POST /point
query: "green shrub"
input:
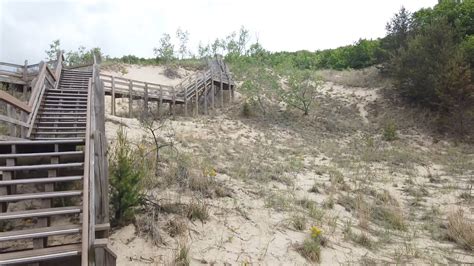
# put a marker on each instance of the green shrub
(125, 177)
(390, 131)
(246, 109)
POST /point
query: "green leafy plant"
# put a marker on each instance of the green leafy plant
(125, 177)
(390, 131)
(302, 91)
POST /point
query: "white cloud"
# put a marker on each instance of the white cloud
(134, 27)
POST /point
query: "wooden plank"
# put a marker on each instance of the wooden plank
(11, 74)
(85, 183)
(8, 98)
(28, 256)
(13, 121)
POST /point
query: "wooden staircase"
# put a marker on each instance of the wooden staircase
(53, 187)
(62, 113)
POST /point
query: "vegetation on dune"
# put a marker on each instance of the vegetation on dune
(125, 179)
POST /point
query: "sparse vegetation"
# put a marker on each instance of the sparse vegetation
(461, 230)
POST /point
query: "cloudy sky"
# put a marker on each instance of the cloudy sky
(135, 27)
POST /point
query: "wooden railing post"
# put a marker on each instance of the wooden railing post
(231, 88)
(146, 97)
(196, 95)
(25, 79)
(160, 104)
(130, 99)
(222, 89)
(205, 92)
(174, 102)
(112, 100)
(186, 100)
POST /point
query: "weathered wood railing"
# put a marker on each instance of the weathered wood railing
(20, 115)
(117, 86)
(95, 198)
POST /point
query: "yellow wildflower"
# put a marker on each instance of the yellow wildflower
(315, 232)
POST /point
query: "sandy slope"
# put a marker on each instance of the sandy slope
(270, 170)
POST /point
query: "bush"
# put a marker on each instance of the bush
(390, 131)
(125, 179)
(246, 109)
(461, 230)
(302, 91)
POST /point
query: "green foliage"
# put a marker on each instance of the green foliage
(246, 112)
(302, 91)
(183, 37)
(165, 52)
(125, 177)
(390, 131)
(54, 49)
(259, 84)
(83, 56)
(74, 58)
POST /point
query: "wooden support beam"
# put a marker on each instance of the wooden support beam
(186, 100)
(231, 88)
(112, 107)
(222, 90)
(6, 97)
(174, 101)
(130, 99)
(161, 101)
(146, 98)
(205, 92)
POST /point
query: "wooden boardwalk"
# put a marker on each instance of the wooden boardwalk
(54, 182)
(54, 174)
(199, 89)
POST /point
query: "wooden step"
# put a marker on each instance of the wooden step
(60, 123)
(67, 91)
(59, 133)
(60, 128)
(39, 213)
(40, 195)
(40, 166)
(42, 254)
(54, 138)
(81, 104)
(42, 142)
(41, 154)
(63, 118)
(40, 232)
(67, 96)
(39, 180)
(73, 112)
(57, 93)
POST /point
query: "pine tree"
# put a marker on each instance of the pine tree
(124, 181)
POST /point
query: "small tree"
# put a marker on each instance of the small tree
(259, 84)
(54, 49)
(302, 91)
(166, 50)
(125, 179)
(183, 37)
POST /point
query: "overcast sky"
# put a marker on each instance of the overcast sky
(135, 27)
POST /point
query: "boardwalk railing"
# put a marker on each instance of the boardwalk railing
(135, 89)
(95, 186)
(20, 115)
(198, 87)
